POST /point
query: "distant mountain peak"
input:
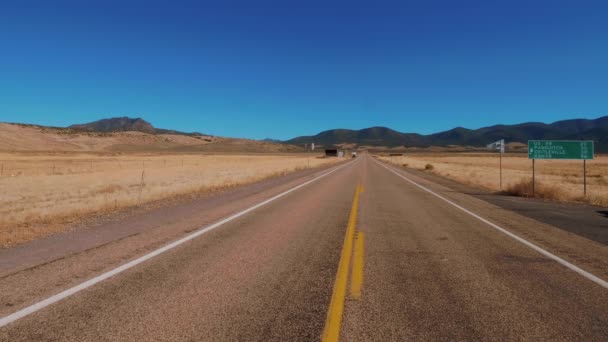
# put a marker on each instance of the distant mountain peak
(124, 124)
(117, 124)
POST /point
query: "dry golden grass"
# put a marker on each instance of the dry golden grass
(41, 193)
(555, 179)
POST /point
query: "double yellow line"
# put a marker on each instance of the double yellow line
(336, 307)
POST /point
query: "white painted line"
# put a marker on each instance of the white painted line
(60, 296)
(549, 255)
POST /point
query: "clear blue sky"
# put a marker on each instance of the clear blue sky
(281, 69)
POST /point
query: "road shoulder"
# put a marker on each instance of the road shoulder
(581, 219)
(585, 253)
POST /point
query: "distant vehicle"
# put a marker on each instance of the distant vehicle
(354, 154)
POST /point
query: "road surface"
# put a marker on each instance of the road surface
(359, 252)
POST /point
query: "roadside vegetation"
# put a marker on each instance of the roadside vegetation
(555, 179)
(43, 193)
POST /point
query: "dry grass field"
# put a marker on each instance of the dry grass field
(41, 193)
(555, 179)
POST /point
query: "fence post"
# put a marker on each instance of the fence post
(533, 179)
(585, 177)
(141, 185)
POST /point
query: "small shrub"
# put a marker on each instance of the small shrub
(598, 200)
(523, 188)
(429, 167)
(404, 165)
(109, 189)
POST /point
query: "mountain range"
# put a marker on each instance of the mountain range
(575, 129)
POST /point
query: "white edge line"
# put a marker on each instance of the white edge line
(69, 292)
(549, 255)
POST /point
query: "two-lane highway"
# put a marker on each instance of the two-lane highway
(434, 272)
(391, 260)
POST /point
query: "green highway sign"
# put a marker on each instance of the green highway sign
(560, 149)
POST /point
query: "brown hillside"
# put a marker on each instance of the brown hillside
(28, 138)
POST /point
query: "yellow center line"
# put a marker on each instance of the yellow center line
(336, 307)
(357, 274)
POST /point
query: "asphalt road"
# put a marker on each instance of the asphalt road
(405, 264)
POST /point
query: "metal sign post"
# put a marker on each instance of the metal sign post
(501, 152)
(561, 149)
(500, 146)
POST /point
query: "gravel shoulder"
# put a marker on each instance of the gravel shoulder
(581, 219)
